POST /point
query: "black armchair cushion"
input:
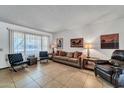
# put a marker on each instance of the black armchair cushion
(13, 58)
(16, 59)
(116, 63)
(118, 55)
(20, 63)
(43, 55)
(42, 58)
(105, 68)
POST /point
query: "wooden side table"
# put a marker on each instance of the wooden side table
(32, 60)
(89, 63)
(50, 55)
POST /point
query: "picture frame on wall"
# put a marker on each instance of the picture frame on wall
(110, 41)
(77, 42)
(59, 42)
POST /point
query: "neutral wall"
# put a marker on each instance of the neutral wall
(91, 33)
(4, 40)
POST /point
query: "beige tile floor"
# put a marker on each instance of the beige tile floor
(51, 75)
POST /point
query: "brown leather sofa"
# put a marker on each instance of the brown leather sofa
(68, 58)
(112, 70)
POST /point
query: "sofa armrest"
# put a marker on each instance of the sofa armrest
(117, 72)
(102, 62)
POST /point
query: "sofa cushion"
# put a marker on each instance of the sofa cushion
(61, 58)
(77, 54)
(62, 53)
(57, 53)
(105, 68)
(70, 54)
(73, 60)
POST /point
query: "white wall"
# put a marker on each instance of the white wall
(91, 33)
(4, 40)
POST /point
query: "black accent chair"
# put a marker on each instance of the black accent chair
(112, 70)
(16, 60)
(43, 55)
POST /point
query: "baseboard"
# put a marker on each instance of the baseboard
(4, 68)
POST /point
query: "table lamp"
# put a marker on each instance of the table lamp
(88, 46)
(53, 46)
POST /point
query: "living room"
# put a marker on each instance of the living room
(71, 46)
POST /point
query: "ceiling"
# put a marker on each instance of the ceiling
(54, 18)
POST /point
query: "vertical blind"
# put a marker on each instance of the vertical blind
(28, 44)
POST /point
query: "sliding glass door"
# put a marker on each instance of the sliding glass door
(18, 42)
(45, 41)
(33, 44)
(29, 44)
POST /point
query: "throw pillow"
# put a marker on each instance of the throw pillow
(57, 53)
(77, 54)
(70, 54)
(62, 53)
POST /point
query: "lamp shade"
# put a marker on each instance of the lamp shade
(53, 46)
(88, 45)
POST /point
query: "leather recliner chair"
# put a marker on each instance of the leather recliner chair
(112, 70)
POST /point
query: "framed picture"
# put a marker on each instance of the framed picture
(110, 41)
(59, 43)
(77, 42)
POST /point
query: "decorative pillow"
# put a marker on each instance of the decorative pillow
(70, 54)
(57, 53)
(62, 53)
(77, 54)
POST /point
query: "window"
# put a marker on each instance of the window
(18, 42)
(33, 44)
(29, 44)
(45, 45)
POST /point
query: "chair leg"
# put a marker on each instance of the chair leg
(13, 68)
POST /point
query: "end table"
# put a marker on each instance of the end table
(89, 63)
(32, 60)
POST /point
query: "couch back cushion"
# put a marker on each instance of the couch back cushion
(62, 53)
(57, 53)
(118, 55)
(70, 54)
(77, 54)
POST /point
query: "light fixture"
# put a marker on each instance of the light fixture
(53, 46)
(88, 46)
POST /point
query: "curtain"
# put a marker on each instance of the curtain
(33, 44)
(27, 43)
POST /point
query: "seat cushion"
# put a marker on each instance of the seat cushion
(61, 58)
(42, 58)
(73, 60)
(105, 68)
(20, 63)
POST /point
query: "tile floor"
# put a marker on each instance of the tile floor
(51, 75)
